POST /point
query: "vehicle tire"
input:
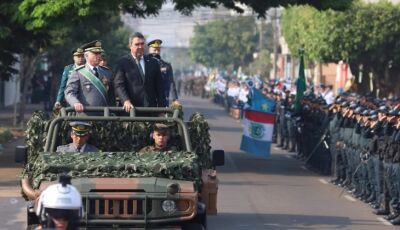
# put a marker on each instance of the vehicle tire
(193, 226)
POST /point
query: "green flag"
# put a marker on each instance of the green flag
(301, 83)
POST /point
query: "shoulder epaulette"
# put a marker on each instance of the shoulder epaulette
(79, 67)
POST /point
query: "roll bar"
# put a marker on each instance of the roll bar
(66, 114)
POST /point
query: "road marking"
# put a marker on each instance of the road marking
(323, 181)
(288, 156)
(276, 148)
(304, 167)
(384, 222)
(349, 198)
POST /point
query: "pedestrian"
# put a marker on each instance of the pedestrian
(138, 80)
(167, 73)
(79, 60)
(90, 84)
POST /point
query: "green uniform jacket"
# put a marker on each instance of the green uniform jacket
(63, 82)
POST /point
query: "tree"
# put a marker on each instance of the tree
(222, 43)
(365, 35)
(261, 64)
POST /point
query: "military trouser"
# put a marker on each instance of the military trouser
(396, 171)
(334, 154)
(371, 177)
(283, 131)
(391, 183)
(291, 140)
(387, 187)
(378, 178)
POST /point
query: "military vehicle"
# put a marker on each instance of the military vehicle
(126, 191)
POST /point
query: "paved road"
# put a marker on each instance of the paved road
(12, 206)
(277, 193)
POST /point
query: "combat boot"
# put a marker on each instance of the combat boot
(391, 216)
(381, 211)
(371, 198)
(395, 221)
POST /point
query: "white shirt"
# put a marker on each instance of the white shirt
(92, 68)
(233, 91)
(141, 63)
(243, 95)
(329, 97)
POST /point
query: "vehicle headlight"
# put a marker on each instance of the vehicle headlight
(168, 206)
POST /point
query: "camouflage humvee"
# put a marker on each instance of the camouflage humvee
(121, 189)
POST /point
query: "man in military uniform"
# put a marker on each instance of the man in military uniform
(166, 70)
(161, 135)
(78, 61)
(90, 84)
(80, 136)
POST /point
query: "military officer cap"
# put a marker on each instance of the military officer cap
(80, 128)
(393, 112)
(93, 46)
(366, 112)
(156, 43)
(161, 128)
(78, 51)
(383, 109)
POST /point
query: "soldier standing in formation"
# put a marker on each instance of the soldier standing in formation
(166, 70)
(90, 84)
(78, 61)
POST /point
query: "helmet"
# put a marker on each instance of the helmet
(60, 201)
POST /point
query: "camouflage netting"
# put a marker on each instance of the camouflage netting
(200, 139)
(126, 137)
(173, 165)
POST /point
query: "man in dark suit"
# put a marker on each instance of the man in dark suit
(138, 79)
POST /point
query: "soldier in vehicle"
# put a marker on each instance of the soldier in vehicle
(80, 136)
(161, 135)
(90, 84)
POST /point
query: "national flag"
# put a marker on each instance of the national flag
(259, 102)
(257, 133)
(301, 83)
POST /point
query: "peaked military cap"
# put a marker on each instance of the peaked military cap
(78, 51)
(156, 43)
(80, 128)
(93, 46)
(161, 128)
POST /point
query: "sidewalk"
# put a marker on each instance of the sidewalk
(7, 113)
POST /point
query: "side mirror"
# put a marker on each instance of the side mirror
(21, 152)
(218, 157)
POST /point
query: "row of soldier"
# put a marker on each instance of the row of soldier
(357, 139)
(138, 80)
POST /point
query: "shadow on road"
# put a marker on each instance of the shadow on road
(284, 222)
(226, 129)
(275, 164)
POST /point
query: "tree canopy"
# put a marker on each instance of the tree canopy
(365, 35)
(222, 43)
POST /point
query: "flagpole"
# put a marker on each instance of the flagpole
(301, 83)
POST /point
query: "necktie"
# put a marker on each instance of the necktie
(79, 150)
(96, 73)
(140, 69)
